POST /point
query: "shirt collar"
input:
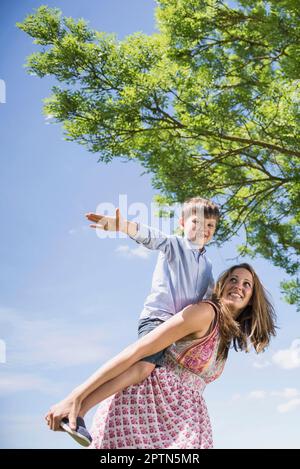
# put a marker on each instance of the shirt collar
(194, 246)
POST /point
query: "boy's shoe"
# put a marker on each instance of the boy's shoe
(81, 435)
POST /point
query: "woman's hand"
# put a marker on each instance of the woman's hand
(69, 407)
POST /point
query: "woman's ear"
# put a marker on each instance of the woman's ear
(181, 222)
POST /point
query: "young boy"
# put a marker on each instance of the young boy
(183, 276)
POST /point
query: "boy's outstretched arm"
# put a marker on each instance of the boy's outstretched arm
(150, 237)
(117, 223)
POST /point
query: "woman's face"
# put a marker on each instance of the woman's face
(238, 289)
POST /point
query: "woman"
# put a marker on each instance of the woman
(167, 409)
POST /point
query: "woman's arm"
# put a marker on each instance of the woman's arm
(193, 318)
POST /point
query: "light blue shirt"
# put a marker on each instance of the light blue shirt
(182, 276)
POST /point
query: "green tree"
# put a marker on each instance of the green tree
(208, 105)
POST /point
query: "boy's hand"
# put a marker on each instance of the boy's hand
(106, 223)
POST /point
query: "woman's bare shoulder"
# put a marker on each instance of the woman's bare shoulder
(206, 310)
(200, 316)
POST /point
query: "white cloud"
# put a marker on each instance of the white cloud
(287, 393)
(290, 395)
(53, 343)
(259, 394)
(140, 251)
(20, 431)
(288, 359)
(48, 119)
(2, 351)
(74, 231)
(289, 406)
(20, 382)
(260, 364)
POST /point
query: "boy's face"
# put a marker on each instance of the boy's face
(198, 229)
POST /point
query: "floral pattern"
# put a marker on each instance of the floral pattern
(167, 410)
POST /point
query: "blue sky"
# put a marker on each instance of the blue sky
(69, 300)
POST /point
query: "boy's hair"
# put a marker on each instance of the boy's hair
(198, 205)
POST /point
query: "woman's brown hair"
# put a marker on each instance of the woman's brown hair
(255, 324)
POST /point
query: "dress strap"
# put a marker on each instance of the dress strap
(199, 352)
(217, 314)
(213, 304)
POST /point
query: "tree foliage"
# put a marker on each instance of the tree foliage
(208, 105)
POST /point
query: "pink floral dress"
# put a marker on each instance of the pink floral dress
(167, 409)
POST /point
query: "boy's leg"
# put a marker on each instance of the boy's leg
(134, 375)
